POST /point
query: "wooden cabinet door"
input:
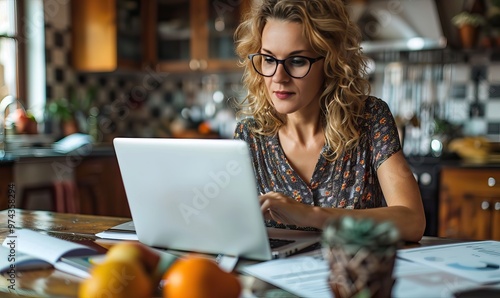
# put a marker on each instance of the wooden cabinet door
(171, 25)
(101, 188)
(108, 34)
(476, 217)
(194, 35)
(223, 19)
(449, 214)
(93, 39)
(495, 223)
(469, 206)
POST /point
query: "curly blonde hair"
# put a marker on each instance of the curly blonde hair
(332, 35)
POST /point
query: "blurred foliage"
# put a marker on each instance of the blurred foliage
(65, 109)
(446, 128)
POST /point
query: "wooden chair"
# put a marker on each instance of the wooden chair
(63, 194)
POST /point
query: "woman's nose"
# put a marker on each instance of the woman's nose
(281, 75)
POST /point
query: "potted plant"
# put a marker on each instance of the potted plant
(72, 114)
(62, 111)
(468, 25)
(361, 254)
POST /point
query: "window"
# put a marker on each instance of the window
(9, 50)
(22, 53)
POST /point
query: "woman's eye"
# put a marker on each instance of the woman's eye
(297, 61)
(269, 60)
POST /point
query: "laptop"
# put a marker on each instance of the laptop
(200, 195)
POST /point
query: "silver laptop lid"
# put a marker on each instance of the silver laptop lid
(194, 195)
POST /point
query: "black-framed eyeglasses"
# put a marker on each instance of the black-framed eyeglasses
(295, 66)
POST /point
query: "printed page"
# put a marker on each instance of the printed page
(302, 276)
(478, 261)
(416, 280)
(19, 260)
(44, 247)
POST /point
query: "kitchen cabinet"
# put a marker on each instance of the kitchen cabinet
(108, 35)
(159, 35)
(469, 206)
(100, 186)
(6, 178)
(194, 35)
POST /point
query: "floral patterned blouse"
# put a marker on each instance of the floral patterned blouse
(350, 182)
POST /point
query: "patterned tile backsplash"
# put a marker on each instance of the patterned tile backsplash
(143, 104)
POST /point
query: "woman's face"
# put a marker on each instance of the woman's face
(283, 39)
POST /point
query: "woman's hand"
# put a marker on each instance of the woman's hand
(283, 209)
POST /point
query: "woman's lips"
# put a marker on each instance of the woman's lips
(283, 94)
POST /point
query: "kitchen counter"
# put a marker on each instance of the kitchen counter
(469, 164)
(24, 153)
(452, 162)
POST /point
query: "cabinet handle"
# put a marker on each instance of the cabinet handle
(194, 64)
(485, 205)
(497, 206)
(425, 179)
(491, 182)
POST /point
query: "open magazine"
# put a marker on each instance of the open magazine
(29, 250)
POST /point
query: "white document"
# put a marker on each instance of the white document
(302, 276)
(124, 231)
(415, 280)
(478, 261)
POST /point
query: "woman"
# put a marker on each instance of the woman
(321, 146)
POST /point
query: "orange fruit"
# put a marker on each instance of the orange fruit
(134, 251)
(116, 279)
(199, 277)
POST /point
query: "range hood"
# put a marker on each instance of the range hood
(403, 25)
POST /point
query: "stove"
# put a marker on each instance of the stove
(426, 171)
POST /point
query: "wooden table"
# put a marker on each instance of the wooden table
(71, 227)
(82, 228)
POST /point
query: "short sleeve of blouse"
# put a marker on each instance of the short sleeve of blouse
(383, 131)
(242, 130)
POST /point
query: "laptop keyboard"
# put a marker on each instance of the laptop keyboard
(275, 243)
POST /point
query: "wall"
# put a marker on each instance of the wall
(147, 104)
